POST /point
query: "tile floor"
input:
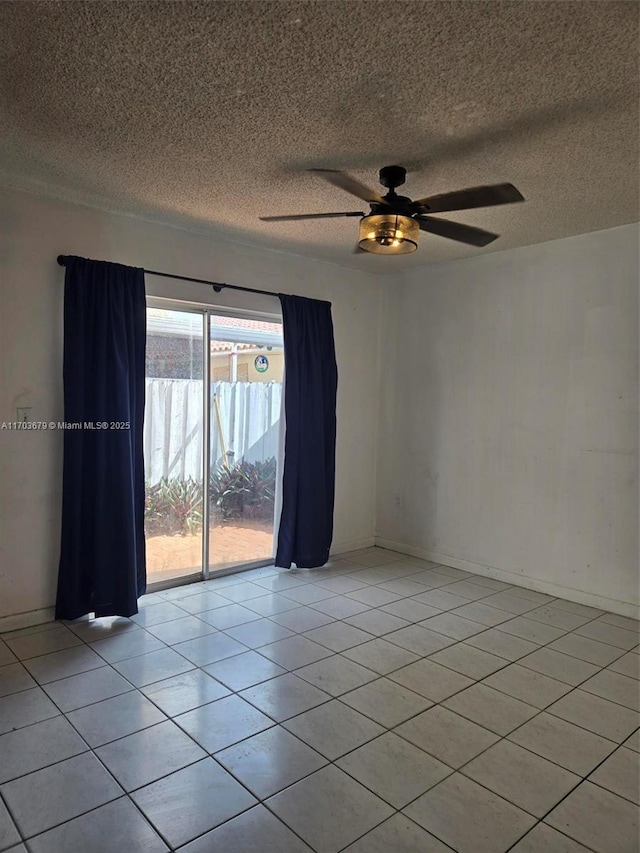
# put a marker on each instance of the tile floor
(382, 704)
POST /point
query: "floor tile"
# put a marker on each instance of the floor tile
(491, 583)
(597, 818)
(185, 692)
(154, 666)
(550, 615)
(37, 746)
(488, 708)
(272, 603)
(147, 755)
(570, 746)
(338, 636)
(34, 645)
(447, 736)
(400, 835)
(258, 633)
(223, 723)
(103, 628)
(254, 831)
(411, 610)
(574, 607)
(179, 630)
(340, 607)
(419, 640)
(6, 655)
(373, 596)
(308, 593)
(229, 616)
(127, 645)
(504, 645)
(294, 652)
(329, 809)
(628, 665)
(430, 679)
(270, 761)
(333, 729)
(209, 649)
(183, 591)
(559, 666)
(614, 687)
(202, 601)
(395, 770)
(620, 773)
(115, 718)
(381, 656)
(521, 777)
(156, 613)
(633, 742)
(336, 675)
(63, 664)
(610, 634)
(113, 828)
(386, 702)
(625, 622)
(587, 649)
(85, 689)
(341, 585)
(281, 581)
(529, 686)
(244, 670)
(377, 622)
(510, 602)
(480, 612)
(302, 619)
(8, 831)
(545, 839)
(535, 632)
(469, 661)
(192, 801)
(597, 715)
(62, 792)
(469, 590)
(531, 595)
(242, 591)
(453, 626)
(24, 708)
(403, 586)
(285, 696)
(468, 817)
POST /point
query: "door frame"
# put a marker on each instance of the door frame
(207, 310)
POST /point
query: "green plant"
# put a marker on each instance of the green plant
(173, 506)
(244, 490)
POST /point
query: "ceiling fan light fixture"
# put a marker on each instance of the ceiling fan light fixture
(388, 234)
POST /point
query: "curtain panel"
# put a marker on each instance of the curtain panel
(311, 381)
(102, 555)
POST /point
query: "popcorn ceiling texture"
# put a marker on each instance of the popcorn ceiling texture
(207, 114)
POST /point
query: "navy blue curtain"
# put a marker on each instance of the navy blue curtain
(102, 555)
(311, 381)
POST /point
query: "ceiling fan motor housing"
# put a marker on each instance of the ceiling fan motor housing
(392, 176)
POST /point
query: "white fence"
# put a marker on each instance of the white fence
(173, 427)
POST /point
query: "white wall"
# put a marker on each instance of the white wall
(34, 231)
(509, 426)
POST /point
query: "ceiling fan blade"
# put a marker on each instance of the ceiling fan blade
(346, 182)
(309, 216)
(456, 231)
(471, 197)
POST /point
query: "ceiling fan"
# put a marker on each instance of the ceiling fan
(394, 222)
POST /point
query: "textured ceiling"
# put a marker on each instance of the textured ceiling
(207, 114)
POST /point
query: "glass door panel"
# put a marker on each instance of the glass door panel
(173, 443)
(246, 371)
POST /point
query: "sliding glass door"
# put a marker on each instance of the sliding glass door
(246, 370)
(211, 441)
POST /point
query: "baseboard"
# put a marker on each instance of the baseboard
(623, 608)
(352, 545)
(26, 620)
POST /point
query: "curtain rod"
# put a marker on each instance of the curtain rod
(216, 285)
